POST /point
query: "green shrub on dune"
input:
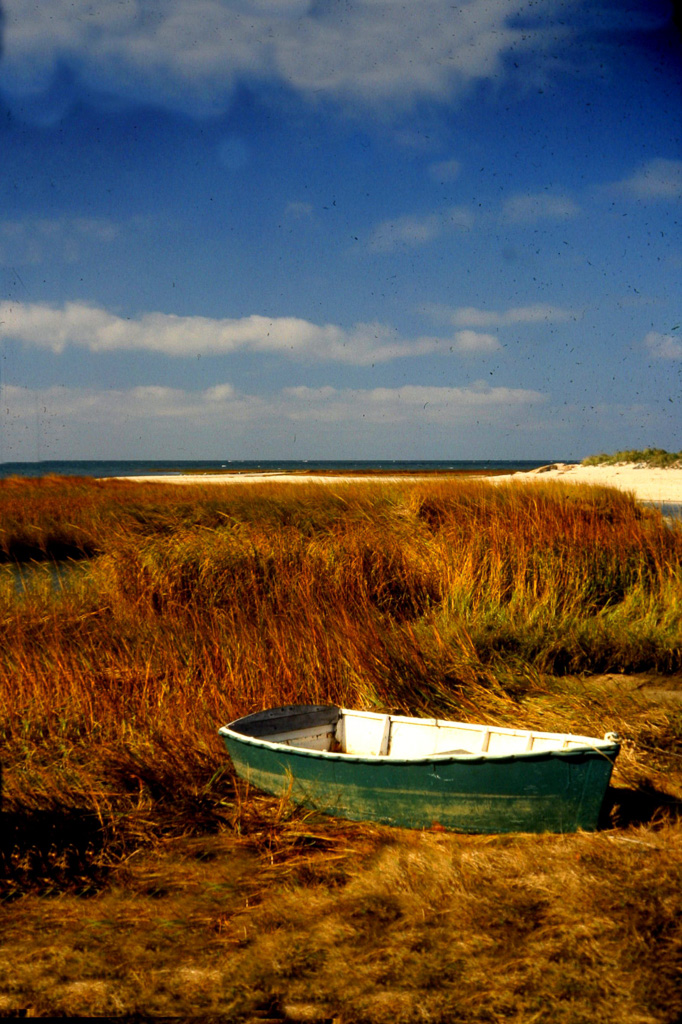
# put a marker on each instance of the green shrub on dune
(655, 457)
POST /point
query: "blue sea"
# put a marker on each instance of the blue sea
(140, 467)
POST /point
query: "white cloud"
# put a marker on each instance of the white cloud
(657, 179)
(220, 393)
(470, 316)
(224, 405)
(471, 342)
(663, 346)
(411, 403)
(78, 325)
(82, 326)
(190, 56)
(221, 422)
(39, 423)
(410, 231)
(405, 231)
(533, 207)
(31, 241)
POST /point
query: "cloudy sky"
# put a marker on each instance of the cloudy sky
(290, 229)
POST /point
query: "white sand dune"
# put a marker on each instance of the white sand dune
(647, 483)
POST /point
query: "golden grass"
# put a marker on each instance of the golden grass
(140, 877)
(378, 927)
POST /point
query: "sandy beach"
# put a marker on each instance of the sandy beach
(647, 483)
(272, 478)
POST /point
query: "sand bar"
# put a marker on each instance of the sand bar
(647, 483)
(276, 478)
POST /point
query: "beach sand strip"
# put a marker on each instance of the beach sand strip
(645, 482)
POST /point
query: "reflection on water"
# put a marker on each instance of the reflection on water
(32, 576)
(668, 509)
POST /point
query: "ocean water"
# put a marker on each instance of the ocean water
(139, 467)
(668, 509)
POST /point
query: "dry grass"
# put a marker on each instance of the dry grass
(368, 927)
(140, 877)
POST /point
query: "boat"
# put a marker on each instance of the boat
(424, 772)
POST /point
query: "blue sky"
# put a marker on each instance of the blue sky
(290, 229)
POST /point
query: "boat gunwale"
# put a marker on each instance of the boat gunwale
(607, 748)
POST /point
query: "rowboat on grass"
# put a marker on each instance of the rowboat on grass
(424, 772)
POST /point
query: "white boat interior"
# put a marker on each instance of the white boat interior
(367, 734)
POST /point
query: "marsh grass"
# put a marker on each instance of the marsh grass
(545, 606)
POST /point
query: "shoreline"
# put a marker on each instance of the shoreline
(647, 483)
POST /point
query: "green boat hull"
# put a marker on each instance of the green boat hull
(557, 791)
